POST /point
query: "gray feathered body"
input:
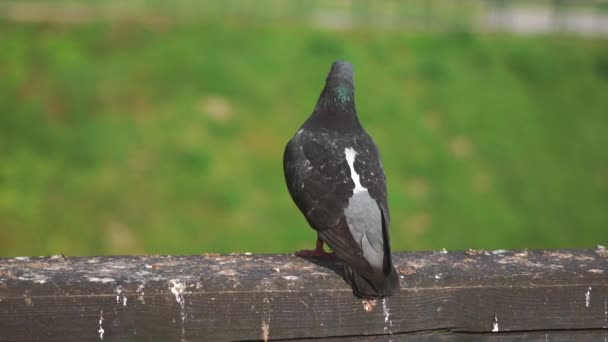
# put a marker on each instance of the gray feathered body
(335, 177)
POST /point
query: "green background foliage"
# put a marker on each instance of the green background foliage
(166, 136)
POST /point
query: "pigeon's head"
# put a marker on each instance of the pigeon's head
(341, 73)
(339, 84)
(335, 108)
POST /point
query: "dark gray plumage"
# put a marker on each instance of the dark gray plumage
(335, 177)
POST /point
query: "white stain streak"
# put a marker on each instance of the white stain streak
(385, 311)
(36, 278)
(388, 323)
(140, 292)
(266, 322)
(588, 297)
(290, 277)
(350, 159)
(178, 288)
(118, 294)
(124, 301)
(495, 324)
(499, 251)
(605, 313)
(265, 331)
(101, 331)
(101, 280)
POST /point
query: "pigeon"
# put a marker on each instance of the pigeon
(335, 177)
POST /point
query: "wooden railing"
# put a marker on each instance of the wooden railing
(559, 295)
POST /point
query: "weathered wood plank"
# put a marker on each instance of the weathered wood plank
(445, 296)
(537, 336)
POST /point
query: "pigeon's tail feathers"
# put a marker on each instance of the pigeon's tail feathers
(382, 282)
(367, 281)
(382, 285)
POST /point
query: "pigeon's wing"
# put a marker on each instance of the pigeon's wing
(317, 179)
(368, 165)
(362, 238)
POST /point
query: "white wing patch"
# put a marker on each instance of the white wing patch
(350, 159)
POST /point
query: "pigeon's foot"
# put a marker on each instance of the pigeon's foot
(318, 252)
(314, 253)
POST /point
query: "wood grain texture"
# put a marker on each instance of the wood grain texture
(537, 336)
(445, 296)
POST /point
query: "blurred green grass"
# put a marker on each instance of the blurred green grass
(167, 137)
